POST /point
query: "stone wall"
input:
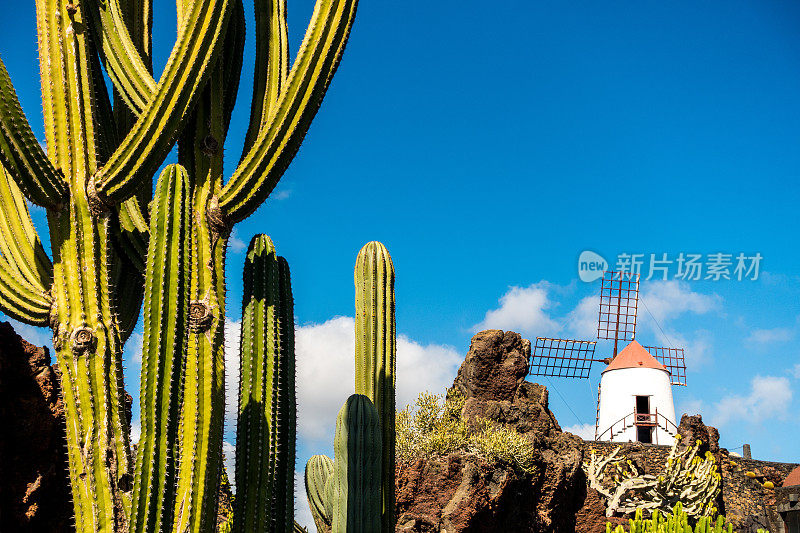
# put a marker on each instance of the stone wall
(745, 502)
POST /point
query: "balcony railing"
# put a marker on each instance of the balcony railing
(637, 419)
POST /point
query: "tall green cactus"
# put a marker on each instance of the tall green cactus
(95, 182)
(376, 364)
(335, 502)
(265, 432)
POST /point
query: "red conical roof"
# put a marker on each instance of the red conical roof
(793, 478)
(634, 356)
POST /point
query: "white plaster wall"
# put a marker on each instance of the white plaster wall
(618, 391)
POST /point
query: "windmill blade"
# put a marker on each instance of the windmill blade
(563, 358)
(619, 305)
(673, 359)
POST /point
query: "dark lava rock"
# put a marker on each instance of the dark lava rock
(462, 492)
(34, 487)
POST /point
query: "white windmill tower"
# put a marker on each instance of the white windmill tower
(634, 398)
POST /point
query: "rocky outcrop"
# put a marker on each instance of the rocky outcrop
(462, 492)
(34, 488)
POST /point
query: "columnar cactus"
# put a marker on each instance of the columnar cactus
(95, 182)
(351, 506)
(266, 427)
(375, 355)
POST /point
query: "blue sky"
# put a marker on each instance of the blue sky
(488, 147)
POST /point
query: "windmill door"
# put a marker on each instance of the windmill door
(644, 427)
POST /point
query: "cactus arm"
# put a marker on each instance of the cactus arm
(19, 242)
(127, 69)
(166, 308)
(319, 469)
(301, 95)
(272, 64)
(21, 301)
(128, 284)
(357, 468)
(375, 354)
(155, 131)
(22, 154)
(233, 56)
(133, 231)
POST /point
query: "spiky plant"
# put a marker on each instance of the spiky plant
(354, 493)
(95, 181)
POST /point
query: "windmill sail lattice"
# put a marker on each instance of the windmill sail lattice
(564, 358)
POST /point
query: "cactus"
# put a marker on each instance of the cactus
(676, 520)
(375, 355)
(685, 479)
(95, 182)
(319, 471)
(357, 469)
(266, 424)
(340, 492)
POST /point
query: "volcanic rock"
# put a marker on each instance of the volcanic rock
(34, 487)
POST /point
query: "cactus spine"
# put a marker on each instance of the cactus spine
(357, 469)
(95, 181)
(266, 424)
(376, 355)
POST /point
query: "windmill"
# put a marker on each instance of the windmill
(634, 397)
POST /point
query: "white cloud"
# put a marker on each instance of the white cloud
(796, 371)
(583, 319)
(136, 431)
(235, 242)
(232, 333)
(584, 431)
(523, 309)
(768, 336)
(769, 397)
(133, 348)
(229, 458)
(668, 299)
(281, 194)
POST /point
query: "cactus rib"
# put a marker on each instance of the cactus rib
(19, 242)
(126, 67)
(19, 300)
(271, 65)
(166, 307)
(300, 98)
(21, 153)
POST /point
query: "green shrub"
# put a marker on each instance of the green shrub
(434, 427)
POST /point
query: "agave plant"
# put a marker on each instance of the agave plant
(111, 235)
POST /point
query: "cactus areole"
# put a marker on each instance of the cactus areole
(116, 243)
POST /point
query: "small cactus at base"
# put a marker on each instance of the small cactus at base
(318, 476)
(675, 522)
(357, 468)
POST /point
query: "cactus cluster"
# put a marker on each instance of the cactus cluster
(354, 492)
(675, 521)
(117, 244)
(685, 479)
